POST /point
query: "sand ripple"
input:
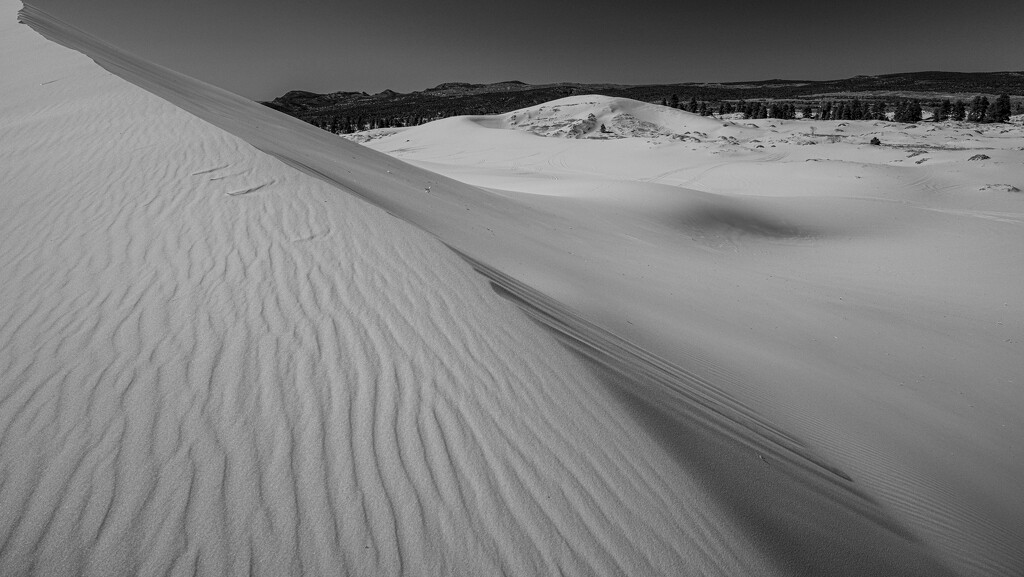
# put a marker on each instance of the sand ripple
(212, 364)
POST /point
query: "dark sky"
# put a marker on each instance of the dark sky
(263, 48)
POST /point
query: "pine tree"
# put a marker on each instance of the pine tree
(972, 112)
(878, 111)
(945, 110)
(675, 101)
(915, 111)
(959, 110)
(1000, 111)
(693, 104)
(846, 112)
(979, 106)
(908, 111)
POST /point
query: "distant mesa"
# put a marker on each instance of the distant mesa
(467, 88)
(453, 86)
(291, 94)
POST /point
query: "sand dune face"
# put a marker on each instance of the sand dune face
(213, 363)
(863, 295)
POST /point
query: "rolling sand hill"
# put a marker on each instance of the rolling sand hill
(866, 297)
(762, 355)
(212, 363)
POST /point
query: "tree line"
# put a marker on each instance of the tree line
(350, 124)
(979, 109)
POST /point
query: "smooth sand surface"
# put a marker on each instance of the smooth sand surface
(213, 363)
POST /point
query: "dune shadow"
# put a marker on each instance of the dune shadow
(807, 516)
(806, 523)
(735, 220)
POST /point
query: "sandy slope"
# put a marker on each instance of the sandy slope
(213, 364)
(870, 293)
(792, 363)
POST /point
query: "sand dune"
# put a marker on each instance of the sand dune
(197, 381)
(213, 363)
(870, 304)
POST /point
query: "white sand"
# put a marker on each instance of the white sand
(861, 299)
(213, 363)
(288, 381)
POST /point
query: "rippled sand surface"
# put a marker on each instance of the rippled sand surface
(216, 360)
